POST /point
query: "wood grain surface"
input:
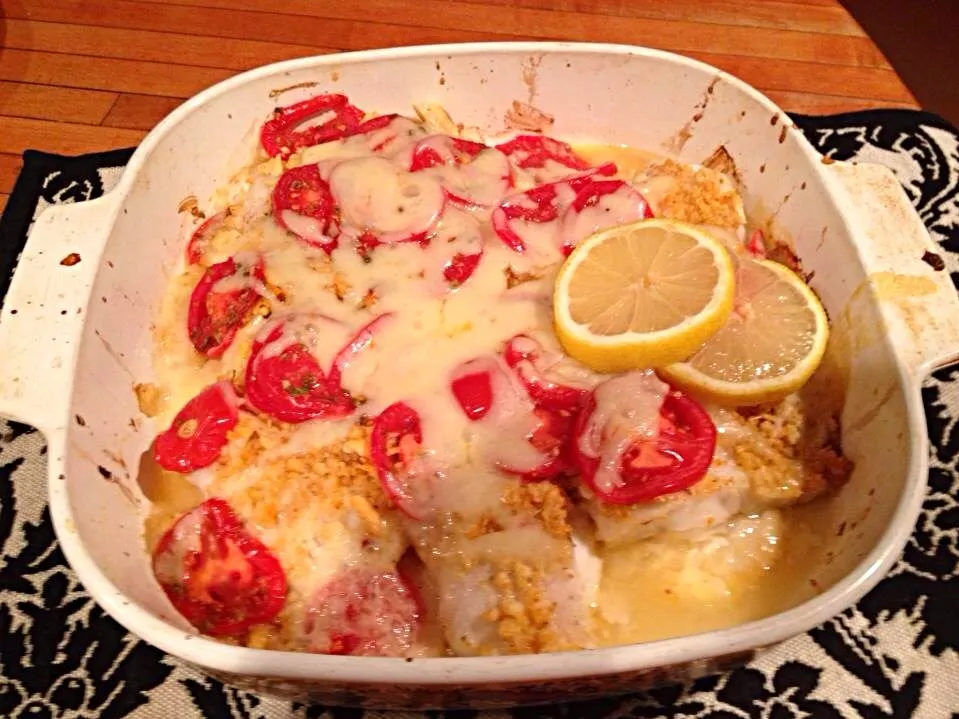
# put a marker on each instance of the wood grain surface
(87, 75)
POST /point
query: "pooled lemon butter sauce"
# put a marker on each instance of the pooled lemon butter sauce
(696, 560)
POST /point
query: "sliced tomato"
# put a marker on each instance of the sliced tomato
(376, 197)
(286, 381)
(534, 151)
(437, 150)
(527, 359)
(282, 134)
(387, 134)
(359, 342)
(219, 576)
(199, 430)
(552, 438)
(304, 205)
(221, 302)
(395, 442)
(600, 204)
(478, 175)
(461, 268)
(540, 205)
(199, 242)
(472, 386)
(674, 459)
(364, 612)
(480, 384)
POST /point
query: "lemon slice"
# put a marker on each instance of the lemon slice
(769, 347)
(646, 294)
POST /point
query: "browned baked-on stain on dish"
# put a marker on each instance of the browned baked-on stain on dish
(108, 475)
(190, 204)
(280, 90)
(721, 161)
(934, 261)
(782, 134)
(80, 420)
(70, 260)
(522, 116)
(677, 142)
(873, 411)
(113, 353)
(530, 72)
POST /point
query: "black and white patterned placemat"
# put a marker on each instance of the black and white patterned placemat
(894, 655)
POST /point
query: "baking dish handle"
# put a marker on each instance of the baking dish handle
(44, 309)
(905, 267)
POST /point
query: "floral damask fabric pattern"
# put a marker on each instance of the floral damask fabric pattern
(896, 654)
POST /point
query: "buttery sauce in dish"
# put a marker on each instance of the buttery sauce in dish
(374, 443)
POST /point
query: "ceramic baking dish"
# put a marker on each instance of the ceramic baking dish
(76, 336)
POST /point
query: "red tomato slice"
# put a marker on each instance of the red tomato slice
(374, 125)
(199, 430)
(286, 381)
(483, 174)
(364, 612)
(303, 205)
(526, 358)
(200, 239)
(359, 342)
(552, 437)
(220, 577)
(214, 315)
(472, 386)
(675, 459)
(475, 386)
(540, 205)
(461, 268)
(534, 151)
(601, 204)
(395, 441)
(437, 150)
(281, 134)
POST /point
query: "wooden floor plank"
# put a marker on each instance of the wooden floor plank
(139, 112)
(9, 169)
(351, 26)
(826, 18)
(45, 102)
(862, 82)
(672, 34)
(17, 135)
(151, 46)
(814, 104)
(98, 73)
(235, 23)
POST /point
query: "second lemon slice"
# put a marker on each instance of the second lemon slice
(646, 294)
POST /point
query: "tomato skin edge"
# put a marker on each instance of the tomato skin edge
(198, 312)
(173, 452)
(263, 395)
(637, 489)
(402, 420)
(218, 515)
(278, 135)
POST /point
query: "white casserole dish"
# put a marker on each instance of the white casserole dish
(77, 337)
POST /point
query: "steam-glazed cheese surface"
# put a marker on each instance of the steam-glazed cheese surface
(372, 442)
